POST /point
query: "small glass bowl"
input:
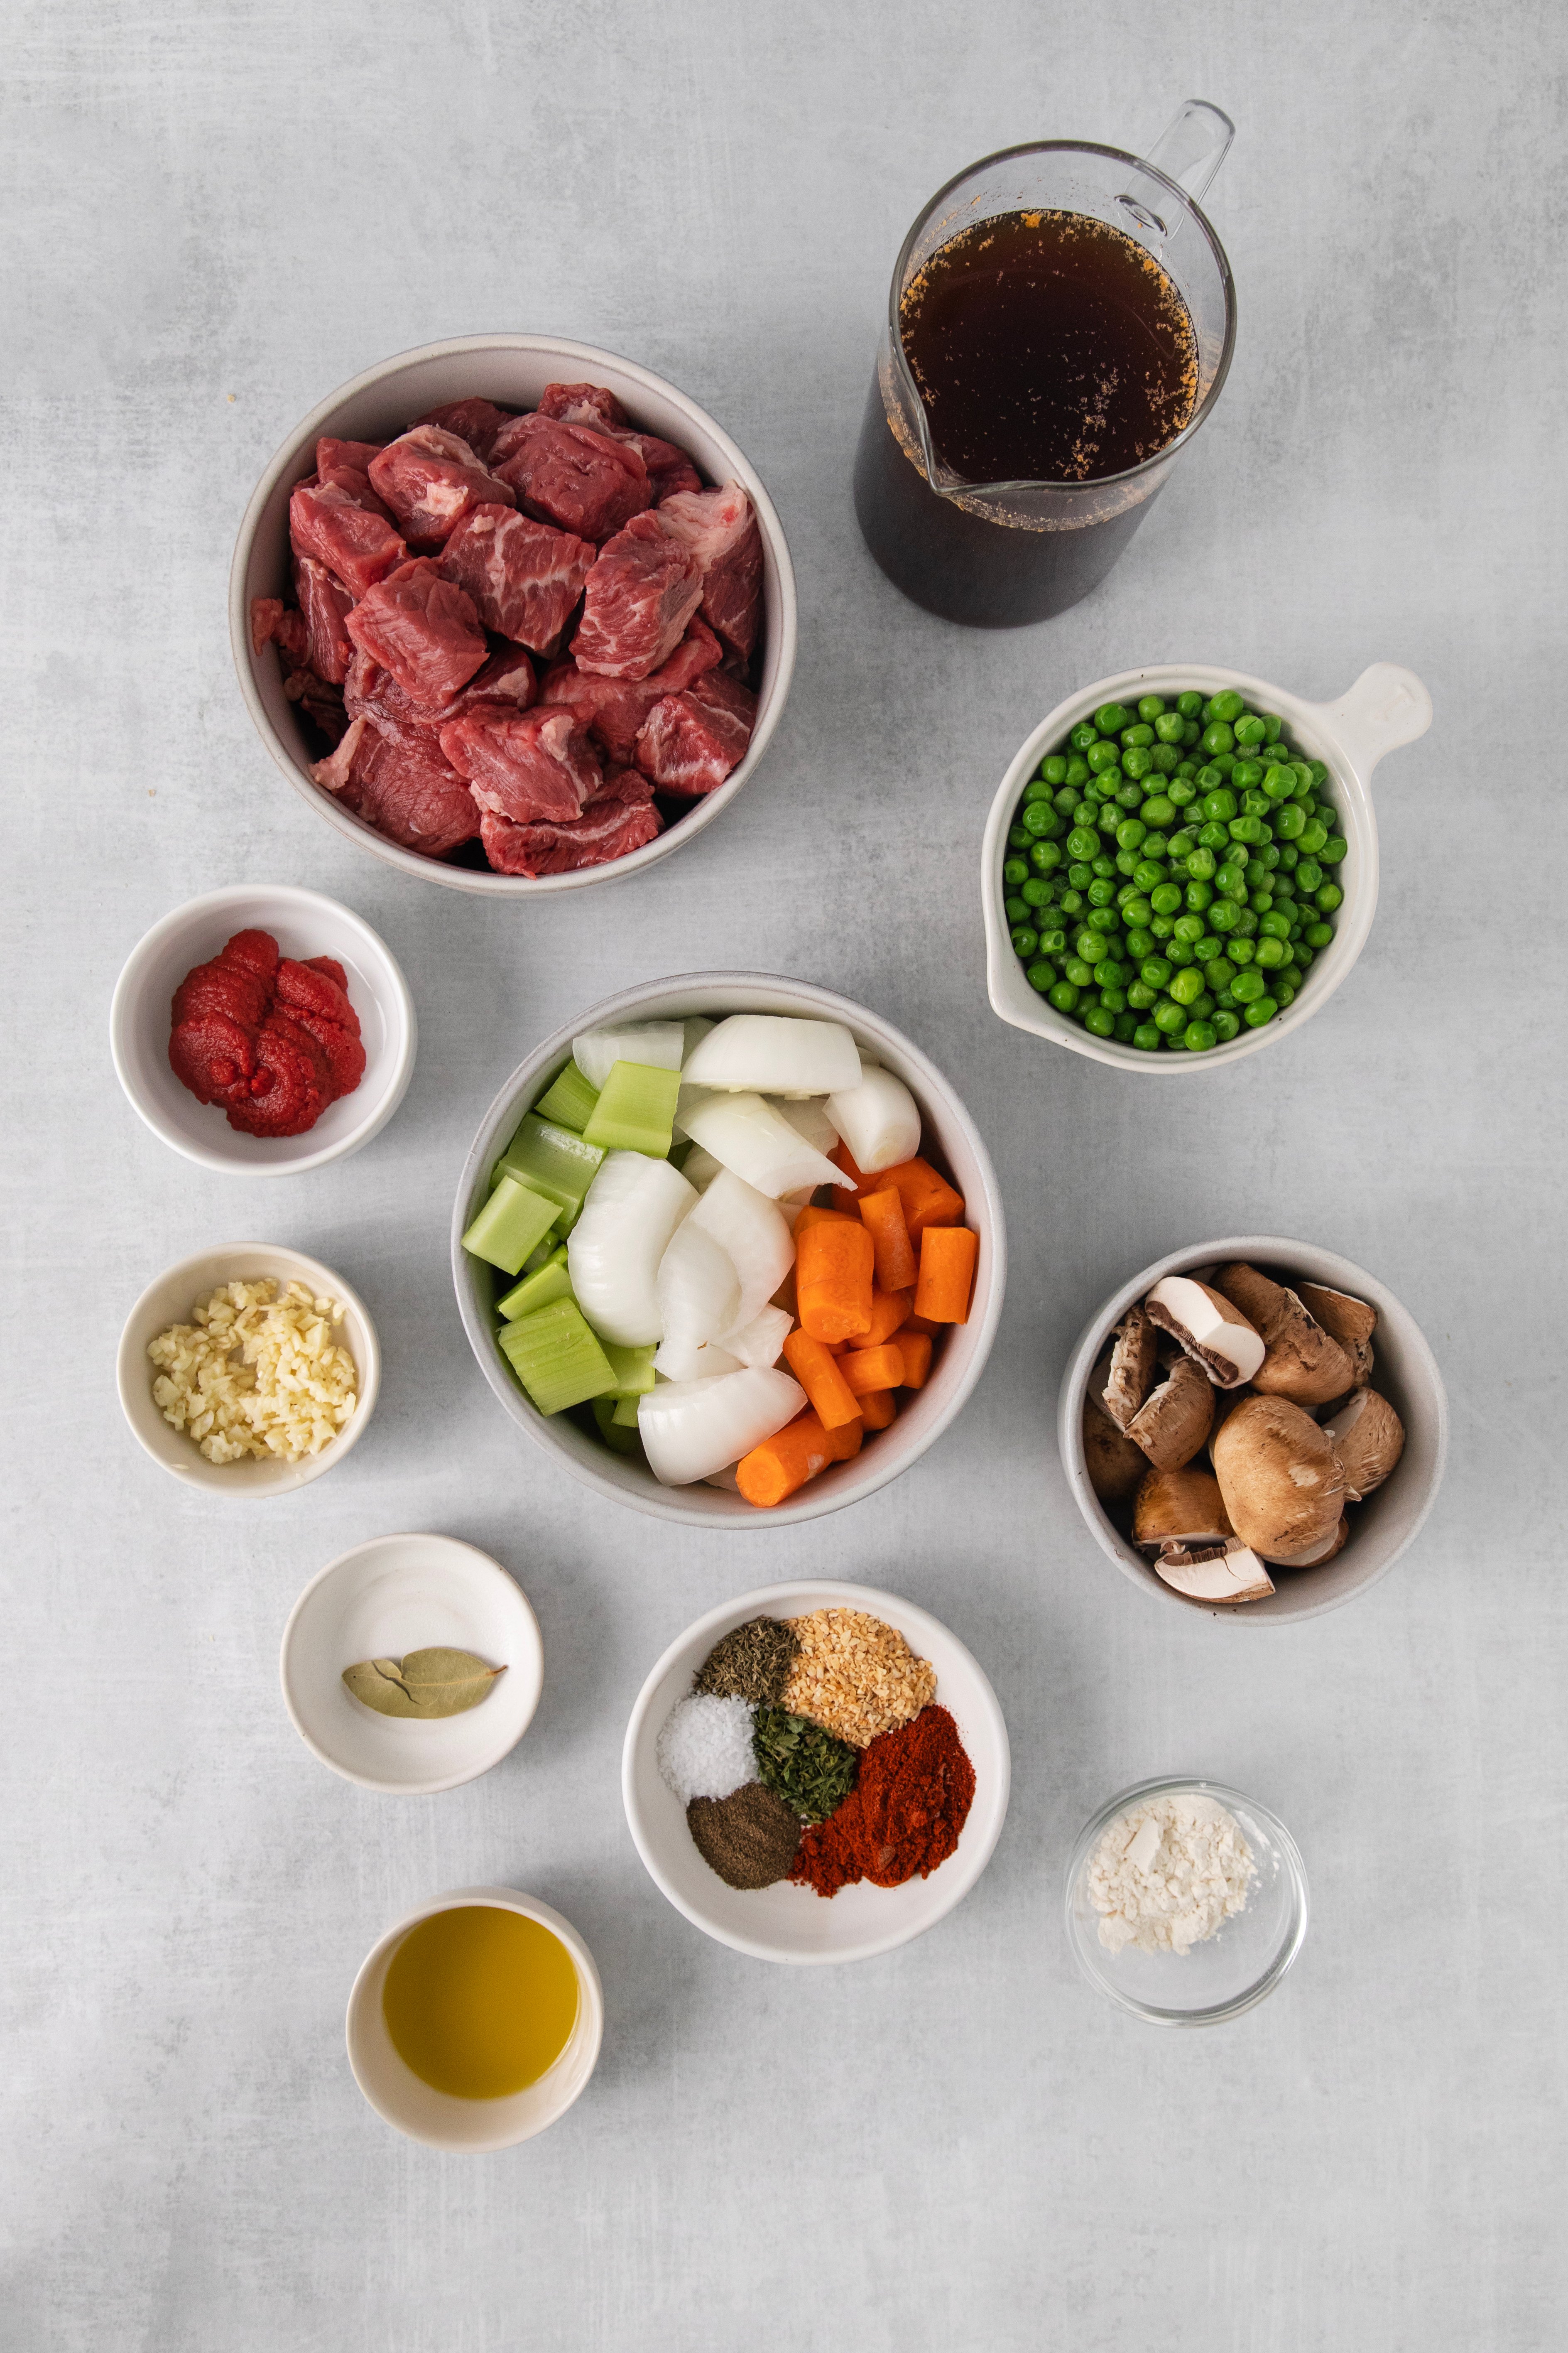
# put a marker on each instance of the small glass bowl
(1234, 1969)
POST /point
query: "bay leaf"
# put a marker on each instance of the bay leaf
(427, 1683)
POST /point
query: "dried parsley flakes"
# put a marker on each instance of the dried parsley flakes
(811, 1771)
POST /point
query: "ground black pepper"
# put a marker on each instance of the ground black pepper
(753, 1662)
(749, 1838)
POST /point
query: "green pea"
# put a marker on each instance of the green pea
(1041, 976)
(1190, 703)
(1149, 874)
(1130, 833)
(1199, 1036)
(1333, 849)
(1329, 897)
(1318, 935)
(1261, 1011)
(1078, 770)
(1187, 985)
(1217, 737)
(1138, 734)
(1189, 928)
(1014, 871)
(1179, 953)
(1201, 865)
(1146, 1038)
(1141, 943)
(1240, 951)
(1271, 953)
(1278, 781)
(1063, 995)
(1272, 726)
(1108, 974)
(1226, 1025)
(1037, 790)
(1245, 923)
(1156, 972)
(1179, 791)
(1136, 764)
(1169, 1016)
(1136, 912)
(1160, 926)
(1017, 839)
(1080, 973)
(1026, 940)
(1015, 911)
(1102, 755)
(1126, 1028)
(1100, 1021)
(1165, 899)
(1246, 829)
(1247, 986)
(1082, 842)
(1247, 776)
(1037, 894)
(1289, 823)
(1284, 994)
(1053, 940)
(1151, 707)
(1110, 719)
(1261, 901)
(1168, 727)
(1218, 974)
(1192, 729)
(1230, 880)
(1224, 915)
(1311, 837)
(1248, 730)
(1054, 770)
(1102, 892)
(1274, 926)
(1041, 820)
(1046, 857)
(1130, 794)
(1066, 801)
(1309, 875)
(1073, 901)
(1268, 857)
(1141, 995)
(1220, 806)
(1159, 809)
(1227, 704)
(1163, 759)
(1084, 737)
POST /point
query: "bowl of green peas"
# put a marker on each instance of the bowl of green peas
(1181, 864)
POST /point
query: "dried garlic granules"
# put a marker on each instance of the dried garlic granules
(292, 1390)
(854, 1676)
(1167, 1874)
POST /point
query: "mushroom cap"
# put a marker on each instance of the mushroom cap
(1114, 1464)
(1348, 1319)
(1368, 1439)
(1314, 1555)
(1214, 1332)
(1224, 1573)
(1225, 1404)
(1279, 1475)
(1182, 1506)
(1175, 1420)
(1302, 1360)
(1131, 1368)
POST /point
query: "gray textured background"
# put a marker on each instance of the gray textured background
(214, 216)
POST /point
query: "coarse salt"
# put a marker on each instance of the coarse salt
(1168, 1874)
(705, 1747)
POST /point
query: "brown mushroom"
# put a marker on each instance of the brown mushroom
(1180, 1507)
(1314, 1555)
(1172, 1426)
(1225, 1404)
(1222, 1573)
(1114, 1464)
(1368, 1439)
(1214, 1332)
(1131, 1368)
(1280, 1479)
(1351, 1322)
(1301, 1361)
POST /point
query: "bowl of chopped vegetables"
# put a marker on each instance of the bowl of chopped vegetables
(1181, 864)
(731, 1247)
(816, 1772)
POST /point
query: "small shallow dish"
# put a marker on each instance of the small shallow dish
(438, 2119)
(1238, 1967)
(512, 371)
(171, 1299)
(1405, 1371)
(304, 925)
(385, 1598)
(794, 1925)
(1386, 708)
(963, 1351)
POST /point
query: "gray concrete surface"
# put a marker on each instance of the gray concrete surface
(213, 216)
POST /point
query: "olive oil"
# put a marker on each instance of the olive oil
(479, 2001)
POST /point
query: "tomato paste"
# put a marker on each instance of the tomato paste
(271, 1041)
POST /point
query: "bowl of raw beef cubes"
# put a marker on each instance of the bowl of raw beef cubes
(514, 614)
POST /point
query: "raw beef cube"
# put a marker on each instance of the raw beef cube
(273, 622)
(315, 997)
(569, 475)
(690, 742)
(325, 607)
(613, 709)
(536, 765)
(669, 468)
(583, 403)
(431, 480)
(523, 576)
(620, 817)
(396, 780)
(338, 519)
(720, 531)
(506, 678)
(357, 454)
(641, 593)
(475, 421)
(322, 704)
(422, 629)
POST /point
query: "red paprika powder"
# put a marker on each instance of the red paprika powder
(904, 1814)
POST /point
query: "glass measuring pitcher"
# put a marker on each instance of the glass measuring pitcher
(998, 553)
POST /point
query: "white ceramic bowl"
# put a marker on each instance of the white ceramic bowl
(385, 1598)
(795, 1923)
(1405, 1371)
(1240, 1965)
(413, 2107)
(958, 1362)
(171, 1299)
(511, 370)
(304, 925)
(1386, 707)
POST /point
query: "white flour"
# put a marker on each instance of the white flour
(1167, 1874)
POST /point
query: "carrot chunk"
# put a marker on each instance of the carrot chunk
(865, 1369)
(928, 1199)
(884, 1214)
(947, 1273)
(810, 1217)
(914, 1347)
(890, 1313)
(816, 1370)
(912, 1324)
(785, 1462)
(877, 1409)
(843, 1159)
(834, 1265)
(846, 1440)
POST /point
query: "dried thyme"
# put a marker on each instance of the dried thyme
(751, 1662)
(811, 1770)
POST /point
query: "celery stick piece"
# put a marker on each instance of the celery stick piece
(624, 1416)
(633, 1368)
(620, 1436)
(543, 1254)
(511, 1222)
(540, 1288)
(551, 1160)
(568, 1100)
(556, 1357)
(635, 1110)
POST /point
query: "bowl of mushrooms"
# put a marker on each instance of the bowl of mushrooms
(1254, 1427)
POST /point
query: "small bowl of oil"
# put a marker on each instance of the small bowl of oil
(475, 2023)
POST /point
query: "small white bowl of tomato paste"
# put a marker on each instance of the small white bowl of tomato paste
(232, 1038)
(438, 604)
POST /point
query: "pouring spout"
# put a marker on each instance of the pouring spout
(1189, 151)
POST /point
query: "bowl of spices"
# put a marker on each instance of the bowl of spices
(816, 1772)
(1186, 1902)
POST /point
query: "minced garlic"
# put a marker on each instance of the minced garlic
(291, 1392)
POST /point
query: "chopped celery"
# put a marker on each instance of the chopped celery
(635, 1110)
(633, 1368)
(552, 1160)
(619, 1435)
(624, 1416)
(543, 1254)
(556, 1357)
(511, 1222)
(568, 1100)
(540, 1288)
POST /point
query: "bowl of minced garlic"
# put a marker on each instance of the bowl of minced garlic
(248, 1370)
(1186, 1902)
